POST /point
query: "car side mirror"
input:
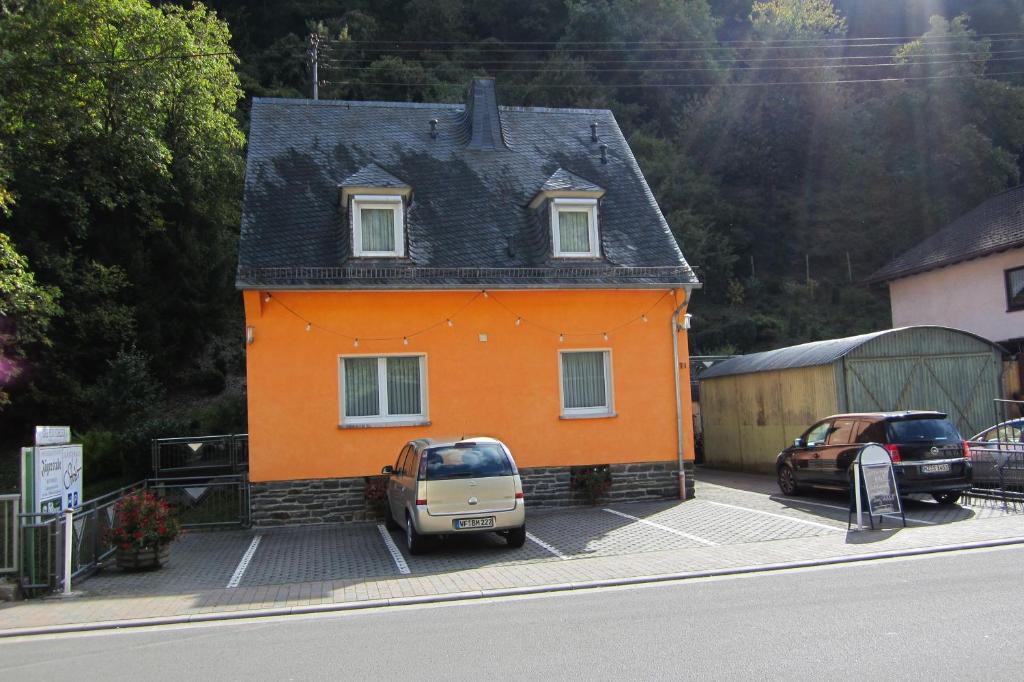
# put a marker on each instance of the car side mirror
(388, 470)
(799, 443)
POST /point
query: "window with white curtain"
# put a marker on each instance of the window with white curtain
(586, 382)
(378, 226)
(574, 228)
(383, 390)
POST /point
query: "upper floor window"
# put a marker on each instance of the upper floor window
(574, 228)
(384, 390)
(378, 225)
(586, 383)
(1015, 289)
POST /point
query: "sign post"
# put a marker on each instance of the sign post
(874, 475)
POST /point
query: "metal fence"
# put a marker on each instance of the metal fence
(9, 533)
(998, 472)
(214, 455)
(198, 502)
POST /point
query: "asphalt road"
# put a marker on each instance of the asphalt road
(939, 617)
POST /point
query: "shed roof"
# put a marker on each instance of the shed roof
(993, 226)
(811, 354)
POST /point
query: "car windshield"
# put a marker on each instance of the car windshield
(481, 460)
(913, 430)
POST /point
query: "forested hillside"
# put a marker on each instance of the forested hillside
(794, 145)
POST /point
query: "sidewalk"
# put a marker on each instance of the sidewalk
(829, 543)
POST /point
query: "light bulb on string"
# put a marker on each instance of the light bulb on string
(355, 342)
(561, 338)
(266, 299)
(605, 335)
(450, 323)
(519, 321)
(309, 326)
(405, 340)
(485, 293)
(643, 317)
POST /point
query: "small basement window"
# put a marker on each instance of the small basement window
(378, 226)
(574, 228)
(383, 390)
(1015, 289)
(586, 383)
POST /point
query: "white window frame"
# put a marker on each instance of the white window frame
(382, 418)
(379, 201)
(606, 410)
(558, 205)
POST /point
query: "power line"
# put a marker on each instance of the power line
(445, 61)
(847, 81)
(584, 68)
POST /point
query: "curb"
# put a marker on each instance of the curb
(488, 594)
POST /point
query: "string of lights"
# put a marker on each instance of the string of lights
(449, 321)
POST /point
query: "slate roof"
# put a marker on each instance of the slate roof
(563, 180)
(468, 223)
(372, 175)
(995, 225)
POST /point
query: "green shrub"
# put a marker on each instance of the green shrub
(593, 481)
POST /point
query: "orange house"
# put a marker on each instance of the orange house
(415, 270)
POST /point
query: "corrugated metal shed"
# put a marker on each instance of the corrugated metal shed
(753, 406)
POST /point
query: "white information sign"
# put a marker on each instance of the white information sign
(58, 479)
(53, 435)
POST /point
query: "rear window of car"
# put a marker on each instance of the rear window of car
(476, 461)
(915, 430)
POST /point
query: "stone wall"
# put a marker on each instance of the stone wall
(337, 500)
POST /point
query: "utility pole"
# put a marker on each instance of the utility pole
(314, 48)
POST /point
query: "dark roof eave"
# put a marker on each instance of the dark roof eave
(426, 286)
(882, 277)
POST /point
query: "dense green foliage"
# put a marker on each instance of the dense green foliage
(121, 151)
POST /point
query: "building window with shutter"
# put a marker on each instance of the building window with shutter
(586, 383)
(574, 228)
(378, 226)
(1015, 289)
(383, 390)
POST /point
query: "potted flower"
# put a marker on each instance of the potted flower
(142, 531)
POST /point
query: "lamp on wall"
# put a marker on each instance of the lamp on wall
(686, 321)
(250, 335)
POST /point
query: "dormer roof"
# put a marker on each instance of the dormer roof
(372, 179)
(562, 183)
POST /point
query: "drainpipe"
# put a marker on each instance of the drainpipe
(679, 397)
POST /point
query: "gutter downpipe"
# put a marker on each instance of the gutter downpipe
(687, 292)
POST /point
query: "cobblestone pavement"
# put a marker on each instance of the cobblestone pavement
(736, 520)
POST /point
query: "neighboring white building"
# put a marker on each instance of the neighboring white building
(969, 275)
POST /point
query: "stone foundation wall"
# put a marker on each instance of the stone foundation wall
(338, 500)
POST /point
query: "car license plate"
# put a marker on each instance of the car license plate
(935, 468)
(465, 524)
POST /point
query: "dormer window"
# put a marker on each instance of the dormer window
(574, 228)
(378, 226)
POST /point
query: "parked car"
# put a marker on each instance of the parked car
(929, 454)
(1011, 431)
(451, 487)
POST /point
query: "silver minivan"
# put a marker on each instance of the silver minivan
(450, 487)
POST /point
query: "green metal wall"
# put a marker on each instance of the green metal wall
(926, 368)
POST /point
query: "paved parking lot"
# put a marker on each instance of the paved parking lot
(730, 509)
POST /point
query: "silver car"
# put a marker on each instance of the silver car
(449, 487)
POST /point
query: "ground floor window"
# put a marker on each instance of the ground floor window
(586, 383)
(383, 389)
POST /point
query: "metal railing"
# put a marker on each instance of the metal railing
(227, 454)
(998, 472)
(9, 533)
(198, 502)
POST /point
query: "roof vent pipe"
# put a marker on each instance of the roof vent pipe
(433, 128)
(593, 132)
(604, 153)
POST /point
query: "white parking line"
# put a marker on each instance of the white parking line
(534, 538)
(243, 564)
(396, 555)
(836, 506)
(778, 516)
(664, 528)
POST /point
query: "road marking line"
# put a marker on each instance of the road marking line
(778, 516)
(403, 567)
(553, 550)
(664, 528)
(844, 509)
(243, 564)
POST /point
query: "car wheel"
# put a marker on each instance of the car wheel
(516, 537)
(389, 520)
(787, 480)
(946, 498)
(414, 542)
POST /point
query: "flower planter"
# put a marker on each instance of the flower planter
(138, 559)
